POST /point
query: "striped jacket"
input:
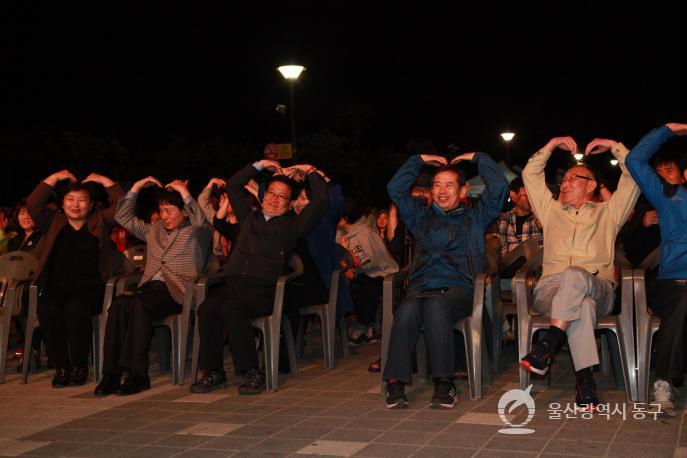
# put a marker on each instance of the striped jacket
(181, 254)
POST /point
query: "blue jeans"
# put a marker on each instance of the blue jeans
(436, 314)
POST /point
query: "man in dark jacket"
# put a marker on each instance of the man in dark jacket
(450, 252)
(266, 239)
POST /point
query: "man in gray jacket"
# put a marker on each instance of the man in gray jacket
(370, 262)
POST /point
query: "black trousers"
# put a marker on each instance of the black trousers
(669, 302)
(129, 327)
(232, 307)
(67, 319)
(436, 313)
(366, 292)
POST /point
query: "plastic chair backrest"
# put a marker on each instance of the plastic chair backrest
(17, 265)
(527, 249)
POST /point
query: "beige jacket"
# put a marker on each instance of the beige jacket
(585, 237)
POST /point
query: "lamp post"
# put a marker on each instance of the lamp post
(291, 74)
(507, 137)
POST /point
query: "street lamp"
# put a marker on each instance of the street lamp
(291, 74)
(507, 137)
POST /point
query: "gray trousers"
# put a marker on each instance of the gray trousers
(578, 297)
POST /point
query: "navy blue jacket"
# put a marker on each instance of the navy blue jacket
(670, 202)
(450, 247)
(326, 253)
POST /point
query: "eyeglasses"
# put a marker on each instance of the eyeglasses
(271, 194)
(571, 178)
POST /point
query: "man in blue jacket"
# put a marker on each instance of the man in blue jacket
(669, 300)
(450, 252)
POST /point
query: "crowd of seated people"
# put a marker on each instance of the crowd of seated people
(256, 219)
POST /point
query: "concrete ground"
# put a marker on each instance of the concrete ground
(321, 412)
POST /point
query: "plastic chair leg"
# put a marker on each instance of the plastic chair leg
(328, 318)
(290, 348)
(300, 338)
(524, 338)
(195, 352)
(343, 332)
(643, 365)
(95, 350)
(605, 355)
(181, 347)
(28, 344)
(4, 342)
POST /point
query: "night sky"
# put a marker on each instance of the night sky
(145, 74)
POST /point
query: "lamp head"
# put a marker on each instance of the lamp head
(291, 72)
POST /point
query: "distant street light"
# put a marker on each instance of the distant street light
(507, 137)
(291, 74)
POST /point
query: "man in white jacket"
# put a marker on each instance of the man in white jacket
(578, 280)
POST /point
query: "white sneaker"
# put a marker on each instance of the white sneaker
(665, 397)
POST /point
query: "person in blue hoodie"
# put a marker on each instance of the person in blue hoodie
(320, 255)
(450, 252)
(669, 298)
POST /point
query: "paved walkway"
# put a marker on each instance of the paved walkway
(321, 412)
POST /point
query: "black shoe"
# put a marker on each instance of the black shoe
(133, 384)
(253, 382)
(78, 375)
(445, 394)
(538, 360)
(396, 395)
(107, 385)
(61, 378)
(585, 395)
(210, 381)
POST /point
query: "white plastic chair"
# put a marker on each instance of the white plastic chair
(647, 324)
(17, 269)
(327, 314)
(178, 324)
(621, 325)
